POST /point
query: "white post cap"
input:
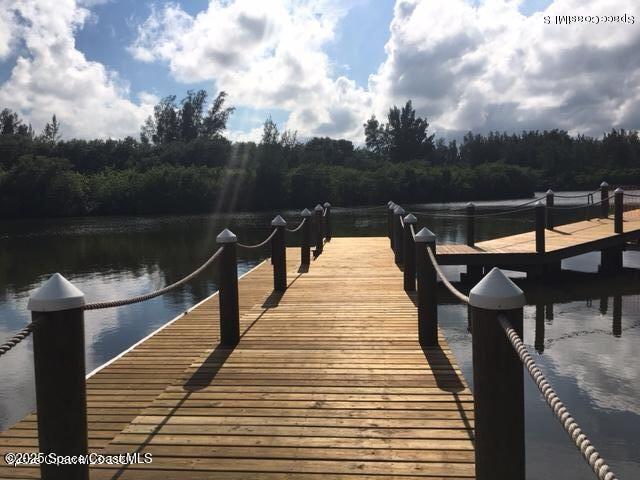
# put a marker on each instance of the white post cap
(327, 205)
(392, 206)
(618, 190)
(539, 204)
(410, 219)
(278, 222)
(549, 192)
(54, 295)
(604, 185)
(226, 236)
(399, 210)
(305, 213)
(471, 204)
(425, 235)
(318, 208)
(389, 203)
(496, 292)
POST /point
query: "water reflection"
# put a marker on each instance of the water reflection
(584, 329)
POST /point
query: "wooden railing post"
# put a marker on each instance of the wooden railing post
(409, 270)
(279, 254)
(540, 226)
(390, 208)
(305, 249)
(228, 292)
(604, 200)
(427, 285)
(319, 230)
(618, 207)
(471, 224)
(398, 212)
(549, 201)
(498, 383)
(327, 221)
(59, 362)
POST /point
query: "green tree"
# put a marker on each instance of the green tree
(216, 120)
(51, 131)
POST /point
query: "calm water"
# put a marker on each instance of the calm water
(587, 341)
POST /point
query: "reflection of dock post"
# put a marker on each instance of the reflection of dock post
(604, 304)
(498, 380)
(539, 337)
(611, 260)
(617, 316)
(549, 312)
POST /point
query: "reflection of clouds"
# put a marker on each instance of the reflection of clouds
(601, 365)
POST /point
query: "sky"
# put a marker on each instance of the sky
(322, 67)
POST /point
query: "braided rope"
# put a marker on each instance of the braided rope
(261, 244)
(584, 205)
(157, 293)
(16, 339)
(294, 230)
(588, 451)
(590, 194)
(461, 296)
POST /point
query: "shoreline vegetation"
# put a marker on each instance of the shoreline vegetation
(182, 163)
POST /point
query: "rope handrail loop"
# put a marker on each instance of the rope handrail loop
(583, 205)
(589, 194)
(156, 293)
(457, 293)
(293, 230)
(258, 245)
(477, 215)
(587, 450)
(16, 339)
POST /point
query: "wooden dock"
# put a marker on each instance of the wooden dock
(563, 241)
(328, 381)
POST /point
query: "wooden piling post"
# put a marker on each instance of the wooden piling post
(409, 270)
(427, 293)
(327, 221)
(228, 291)
(59, 361)
(540, 227)
(398, 244)
(550, 200)
(618, 208)
(305, 248)
(498, 383)
(390, 208)
(604, 200)
(319, 230)
(471, 224)
(279, 254)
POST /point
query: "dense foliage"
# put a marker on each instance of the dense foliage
(182, 163)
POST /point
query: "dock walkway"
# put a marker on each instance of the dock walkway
(328, 381)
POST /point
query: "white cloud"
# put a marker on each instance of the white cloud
(54, 77)
(265, 55)
(490, 67)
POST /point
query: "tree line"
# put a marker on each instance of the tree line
(183, 163)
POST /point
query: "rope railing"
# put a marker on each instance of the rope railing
(294, 230)
(588, 195)
(156, 293)
(587, 450)
(258, 245)
(584, 205)
(457, 293)
(16, 339)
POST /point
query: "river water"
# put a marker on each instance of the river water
(584, 332)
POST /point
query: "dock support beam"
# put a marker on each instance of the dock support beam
(305, 248)
(279, 255)
(427, 289)
(409, 269)
(618, 208)
(498, 381)
(604, 200)
(59, 361)
(611, 260)
(540, 227)
(228, 292)
(319, 233)
(327, 221)
(550, 200)
(398, 244)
